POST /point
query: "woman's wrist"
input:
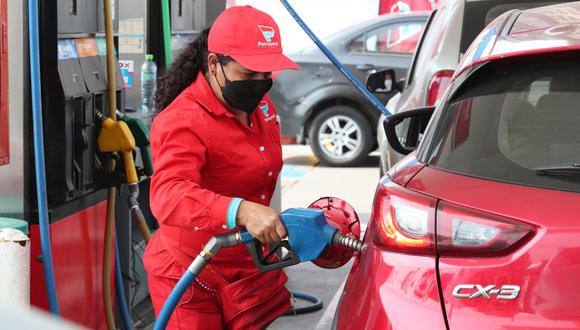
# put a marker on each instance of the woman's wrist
(232, 215)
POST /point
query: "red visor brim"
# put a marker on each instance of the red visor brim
(266, 62)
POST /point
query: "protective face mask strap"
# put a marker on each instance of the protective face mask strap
(224, 73)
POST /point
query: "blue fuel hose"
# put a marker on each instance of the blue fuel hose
(315, 306)
(120, 289)
(376, 102)
(295, 221)
(210, 249)
(36, 91)
(171, 302)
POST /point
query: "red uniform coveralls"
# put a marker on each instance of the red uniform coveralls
(203, 157)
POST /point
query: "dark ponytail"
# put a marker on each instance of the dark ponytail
(182, 71)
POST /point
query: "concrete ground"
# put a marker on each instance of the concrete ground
(304, 181)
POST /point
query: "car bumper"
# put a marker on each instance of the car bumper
(389, 291)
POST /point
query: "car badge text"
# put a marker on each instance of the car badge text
(474, 291)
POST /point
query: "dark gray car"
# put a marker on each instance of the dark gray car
(318, 105)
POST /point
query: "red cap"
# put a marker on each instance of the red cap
(251, 37)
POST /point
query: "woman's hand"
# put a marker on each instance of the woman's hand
(261, 221)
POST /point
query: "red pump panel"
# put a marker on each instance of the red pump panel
(4, 133)
(77, 250)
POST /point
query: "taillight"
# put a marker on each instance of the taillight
(466, 232)
(405, 222)
(437, 86)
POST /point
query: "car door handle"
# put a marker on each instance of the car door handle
(365, 67)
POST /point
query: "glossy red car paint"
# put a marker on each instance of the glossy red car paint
(405, 170)
(540, 30)
(546, 267)
(387, 290)
(438, 85)
(398, 290)
(77, 251)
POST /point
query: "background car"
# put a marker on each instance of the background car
(317, 104)
(479, 227)
(449, 31)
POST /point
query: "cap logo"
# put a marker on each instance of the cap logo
(268, 32)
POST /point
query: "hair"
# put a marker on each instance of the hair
(184, 69)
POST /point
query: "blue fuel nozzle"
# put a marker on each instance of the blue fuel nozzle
(309, 234)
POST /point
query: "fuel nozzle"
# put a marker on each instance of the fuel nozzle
(310, 238)
(349, 242)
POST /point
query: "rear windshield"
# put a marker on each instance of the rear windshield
(513, 120)
(478, 14)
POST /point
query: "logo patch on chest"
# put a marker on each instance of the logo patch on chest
(265, 107)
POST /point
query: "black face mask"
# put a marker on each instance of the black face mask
(245, 95)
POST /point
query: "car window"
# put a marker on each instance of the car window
(478, 14)
(431, 40)
(392, 38)
(358, 45)
(512, 120)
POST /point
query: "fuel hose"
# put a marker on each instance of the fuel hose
(225, 240)
(345, 72)
(120, 289)
(316, 303)
(112, 191)
(39, 167)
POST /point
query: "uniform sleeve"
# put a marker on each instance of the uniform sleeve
(179, 154)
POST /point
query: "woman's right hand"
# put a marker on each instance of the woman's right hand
(261, 221)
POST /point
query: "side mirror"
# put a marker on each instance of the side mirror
(383, 82)
(405, 130)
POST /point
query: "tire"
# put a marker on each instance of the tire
(341, 148)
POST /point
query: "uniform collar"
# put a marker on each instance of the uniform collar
(203, 94)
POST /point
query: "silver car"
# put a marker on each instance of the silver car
(449, 31)
(318, 105)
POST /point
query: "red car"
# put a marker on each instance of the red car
(479, 227)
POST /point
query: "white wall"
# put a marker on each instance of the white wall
(324, 17)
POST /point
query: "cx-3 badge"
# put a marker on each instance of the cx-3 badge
(474, 291)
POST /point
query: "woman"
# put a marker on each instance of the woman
(216, 163)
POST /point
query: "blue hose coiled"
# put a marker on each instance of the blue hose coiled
(315, 306)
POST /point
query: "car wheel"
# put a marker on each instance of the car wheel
(340, 136)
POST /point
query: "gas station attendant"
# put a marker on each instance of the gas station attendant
(217, 155)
